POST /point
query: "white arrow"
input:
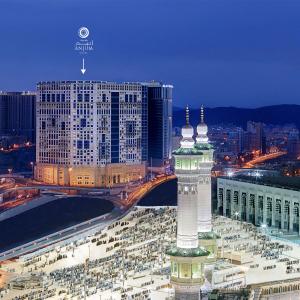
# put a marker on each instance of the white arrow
(83, 69)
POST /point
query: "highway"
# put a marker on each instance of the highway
(52, 187)
(250, 164)
(88, 227)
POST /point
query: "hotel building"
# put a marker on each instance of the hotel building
(92, 133)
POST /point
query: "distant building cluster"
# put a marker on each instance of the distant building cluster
(235, 145)
(293, 144)
(93, 133)
(232, 141)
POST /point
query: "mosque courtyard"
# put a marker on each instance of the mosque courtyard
(127, 260)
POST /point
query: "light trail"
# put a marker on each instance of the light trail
(250, 164)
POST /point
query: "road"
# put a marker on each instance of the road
(85, 228)
(250, 164)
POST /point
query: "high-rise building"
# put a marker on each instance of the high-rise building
(160, 123)
(255, 139)
(293, 144)
(92, 133)
(187, 258)
(17, 114)
(235, 140)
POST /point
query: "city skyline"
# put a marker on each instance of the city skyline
(150, 149)
(239, 54)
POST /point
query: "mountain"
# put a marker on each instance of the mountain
(275, 114)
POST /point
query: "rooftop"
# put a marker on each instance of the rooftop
(206, 146)
(187, 151)
(283, 182)
(150, 83)
(23, 93)
(194, 252)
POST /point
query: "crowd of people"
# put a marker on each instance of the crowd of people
(267, 252)
(130, 250)
(127, 259)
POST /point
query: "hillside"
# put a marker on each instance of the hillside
(277, 114)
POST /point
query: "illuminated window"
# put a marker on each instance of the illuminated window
(174, 269)
(196, 271)
(185, 271)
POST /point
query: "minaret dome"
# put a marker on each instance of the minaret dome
(187, 132)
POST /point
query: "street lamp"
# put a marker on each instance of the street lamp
(264, 227)
(230, 174)
(257, 175)
(32, 168)
(236, 215)
(70, 169)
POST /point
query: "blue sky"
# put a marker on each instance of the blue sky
(242, 53)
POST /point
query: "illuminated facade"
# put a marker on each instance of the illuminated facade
(187, 258)
(261, 201)
(204, 179)
(91, 133)
(207, 238)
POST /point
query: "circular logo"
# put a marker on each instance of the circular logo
(83, 32)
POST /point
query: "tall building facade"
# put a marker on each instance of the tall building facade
(91, 133)
(17, 114)
(293, 145)
(160, 123)
(235, 140)
(255, 139)
(187, 258)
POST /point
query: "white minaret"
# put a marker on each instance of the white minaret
(187, 258)
(204, 179)
(187, 233)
